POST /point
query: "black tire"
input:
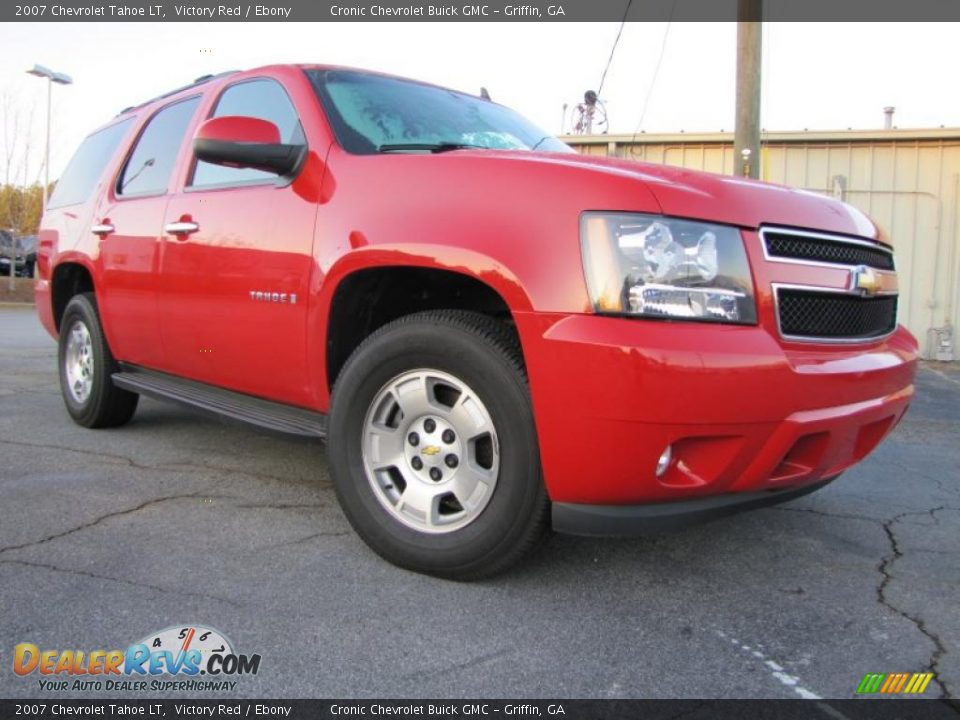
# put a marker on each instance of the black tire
(485, 355)
(103, 405)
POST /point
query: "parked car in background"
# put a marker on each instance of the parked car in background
(28, 249)
(24, 251)
(494, 334)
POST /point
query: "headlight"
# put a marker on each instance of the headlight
(654, 266)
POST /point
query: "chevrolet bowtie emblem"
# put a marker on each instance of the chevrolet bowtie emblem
(865, 280)
(430, 450)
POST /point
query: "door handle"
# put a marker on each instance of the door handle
(102, 229)
(181, 227)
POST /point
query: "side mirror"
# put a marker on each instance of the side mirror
(246, 142)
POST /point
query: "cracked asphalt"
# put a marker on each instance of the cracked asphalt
(177, 518)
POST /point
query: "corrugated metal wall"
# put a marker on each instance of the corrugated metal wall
(907, 181)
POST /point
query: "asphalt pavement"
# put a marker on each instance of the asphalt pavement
(181, 519)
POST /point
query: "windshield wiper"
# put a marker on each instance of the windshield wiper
(428, 147)
(540, 141)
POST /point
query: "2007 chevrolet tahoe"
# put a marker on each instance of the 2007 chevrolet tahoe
(494, 334)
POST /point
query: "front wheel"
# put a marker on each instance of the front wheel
(433, 447)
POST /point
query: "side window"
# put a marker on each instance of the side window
(264, 99)
(87, 164)
(148, 169)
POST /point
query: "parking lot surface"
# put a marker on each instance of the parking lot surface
(177, 518)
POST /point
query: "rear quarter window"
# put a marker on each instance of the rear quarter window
(87, 164)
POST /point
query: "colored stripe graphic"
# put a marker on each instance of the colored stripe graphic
(894, 683)
(901, 681)
(922, 684)
(890, 682)
(870, 683)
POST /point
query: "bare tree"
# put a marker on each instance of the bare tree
(11, 130)
(18, 130)
(19, 137)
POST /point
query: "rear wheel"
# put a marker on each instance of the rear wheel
(433, 448)
(86, 367)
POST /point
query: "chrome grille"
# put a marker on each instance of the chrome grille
(817, 315)
(830, 250)
(861, 309)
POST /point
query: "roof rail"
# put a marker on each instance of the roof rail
(199, 81)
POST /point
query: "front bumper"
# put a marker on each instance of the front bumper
(742, 412)
(633, 520)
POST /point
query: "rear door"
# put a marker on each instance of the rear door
(128, 221)
(236, 265)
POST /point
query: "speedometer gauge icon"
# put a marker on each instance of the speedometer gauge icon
(179, 639)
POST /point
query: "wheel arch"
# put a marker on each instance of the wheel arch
(402, 284)
(71, 276)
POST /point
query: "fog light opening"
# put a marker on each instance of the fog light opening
(663, 464)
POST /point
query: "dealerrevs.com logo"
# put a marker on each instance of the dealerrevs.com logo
(198, 658)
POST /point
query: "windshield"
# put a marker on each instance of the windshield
(372, 113)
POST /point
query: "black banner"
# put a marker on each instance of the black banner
(859, 709)
(479, 11)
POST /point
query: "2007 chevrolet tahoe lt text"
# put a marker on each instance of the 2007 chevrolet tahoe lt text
(494, 333)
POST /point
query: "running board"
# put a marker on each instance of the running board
(256, 411)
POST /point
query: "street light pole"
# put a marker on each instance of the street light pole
(61, 79)
(46, 152)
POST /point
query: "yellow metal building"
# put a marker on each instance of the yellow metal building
(908, 181)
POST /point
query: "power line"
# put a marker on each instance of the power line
(613, 49)
(656, 71)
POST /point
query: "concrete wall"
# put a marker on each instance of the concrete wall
(908, 181)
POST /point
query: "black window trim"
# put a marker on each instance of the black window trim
(132, 146)
(279, 181)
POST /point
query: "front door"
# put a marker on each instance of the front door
(236, 264)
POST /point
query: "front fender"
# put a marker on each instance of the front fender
(463, 261)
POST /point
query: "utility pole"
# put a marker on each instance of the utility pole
(746, 144)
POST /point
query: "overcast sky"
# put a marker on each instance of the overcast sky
(816, 76)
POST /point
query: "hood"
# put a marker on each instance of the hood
(726, 199)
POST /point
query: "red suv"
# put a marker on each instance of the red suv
(494, 333)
